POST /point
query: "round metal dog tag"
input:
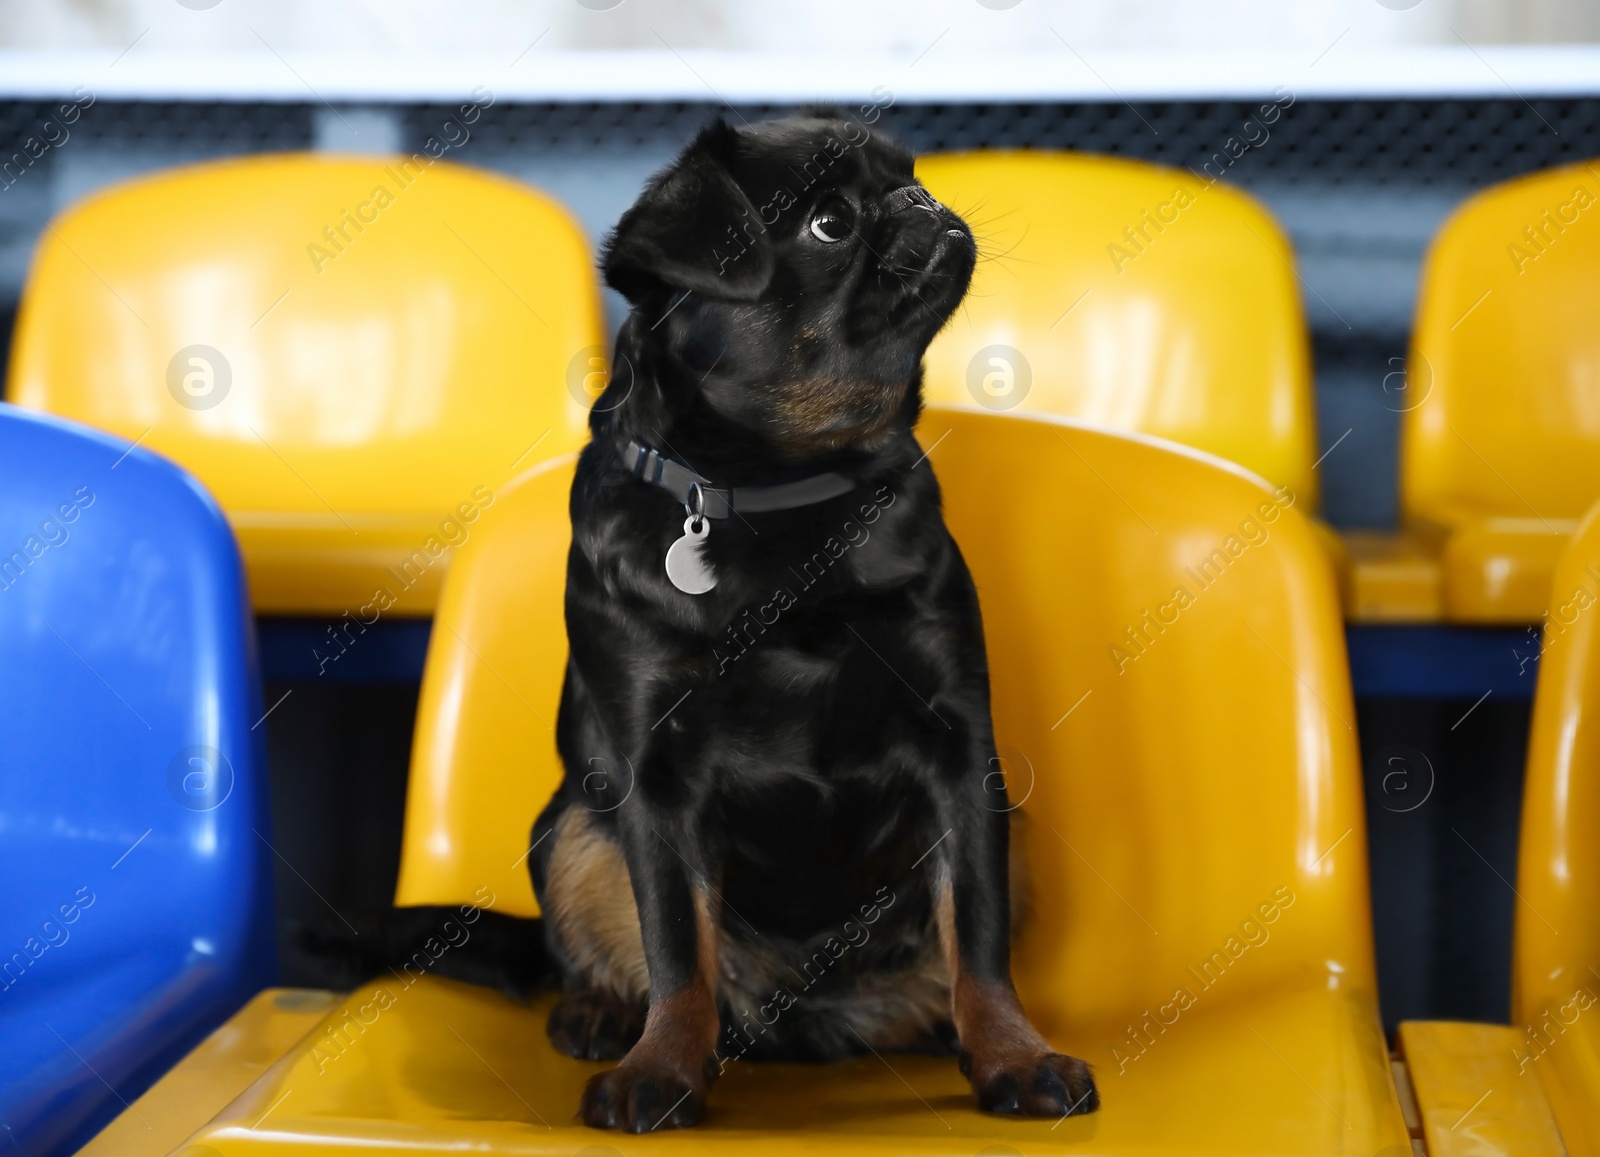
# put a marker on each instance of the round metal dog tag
(686, 568)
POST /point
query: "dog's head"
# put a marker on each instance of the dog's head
(797, 271)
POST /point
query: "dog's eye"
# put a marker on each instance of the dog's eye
(830, 225)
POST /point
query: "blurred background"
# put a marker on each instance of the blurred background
(1397, 110)
(822, 26)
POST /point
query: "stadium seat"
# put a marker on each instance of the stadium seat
(1533, 1087)
(221, 1067)
(352, 354)
(1500, 427)
(137, 905)
(1474, 1098)
(1133, 295)
(1555, 992)
(1192, 812)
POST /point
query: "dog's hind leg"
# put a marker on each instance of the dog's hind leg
(595, 1024)
(593, 924)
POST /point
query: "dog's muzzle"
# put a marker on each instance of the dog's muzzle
(911, 197)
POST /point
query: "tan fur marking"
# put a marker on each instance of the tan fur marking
(589, 902)
(994, 1030)
(812, 408)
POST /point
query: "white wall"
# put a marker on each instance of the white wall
(907, 27)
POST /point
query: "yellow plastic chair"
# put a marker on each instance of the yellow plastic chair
(1500, 445)
(1532, 1088)
(1192, 810)
(1557, 937)
(1132, 295)
(220, 1068)
(352, 355)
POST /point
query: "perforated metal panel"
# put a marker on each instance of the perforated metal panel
(1414, 142)
(1360, 186)
(1452, 142)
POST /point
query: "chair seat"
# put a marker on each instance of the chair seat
(1493, 570)
(1499, 570)
(1392, 578)
(390, 564)
(448, 1067)
(221, 1067)
(1566, 1055)
(1475, 1096)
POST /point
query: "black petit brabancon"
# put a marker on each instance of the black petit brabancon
(775, 839)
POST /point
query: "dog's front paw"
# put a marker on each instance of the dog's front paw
(639, 1099)
(595, 1025)
(1048, 1085)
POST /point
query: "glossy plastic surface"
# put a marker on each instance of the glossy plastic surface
(1392, 578)
(224, 1065)
(1132, 295)
(1177, 793)
(136, 911)
(1473, 1100)
(346, 352)
(1555, 982)
(1498, 570)
(1503, 417)
(446, 1068)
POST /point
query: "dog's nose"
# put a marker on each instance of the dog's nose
(911, 197)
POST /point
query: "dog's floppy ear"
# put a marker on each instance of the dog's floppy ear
(693, 229)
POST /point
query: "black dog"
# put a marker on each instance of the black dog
(774, 833)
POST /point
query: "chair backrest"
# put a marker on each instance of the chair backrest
(1556, 938)
(137, 908)
(353, 355)
(1170, 697)
(1131, 295)
(1558, 877)
(1503, 384)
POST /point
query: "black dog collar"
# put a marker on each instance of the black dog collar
(654, 467)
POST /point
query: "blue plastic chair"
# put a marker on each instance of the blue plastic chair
(135, 876)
